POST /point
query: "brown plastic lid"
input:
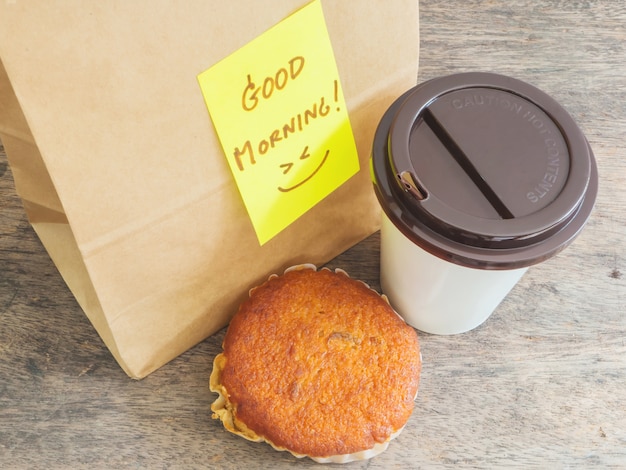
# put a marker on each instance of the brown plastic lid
(483, 170)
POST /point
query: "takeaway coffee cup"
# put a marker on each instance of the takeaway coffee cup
(479, 177)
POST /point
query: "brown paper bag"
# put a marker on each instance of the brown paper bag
(122, 175)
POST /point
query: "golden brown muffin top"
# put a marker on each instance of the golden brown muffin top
(319, 364)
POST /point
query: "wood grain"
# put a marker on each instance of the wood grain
(539, 385)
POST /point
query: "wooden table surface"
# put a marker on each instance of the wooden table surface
(542, 384)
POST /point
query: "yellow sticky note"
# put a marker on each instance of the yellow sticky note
(280, 114)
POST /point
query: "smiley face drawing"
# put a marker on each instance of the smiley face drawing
(288, 166)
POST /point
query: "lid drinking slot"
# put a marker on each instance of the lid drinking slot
(410, 186)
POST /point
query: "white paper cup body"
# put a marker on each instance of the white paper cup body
(434, 295)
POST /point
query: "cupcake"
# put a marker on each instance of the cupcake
(317, 364)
